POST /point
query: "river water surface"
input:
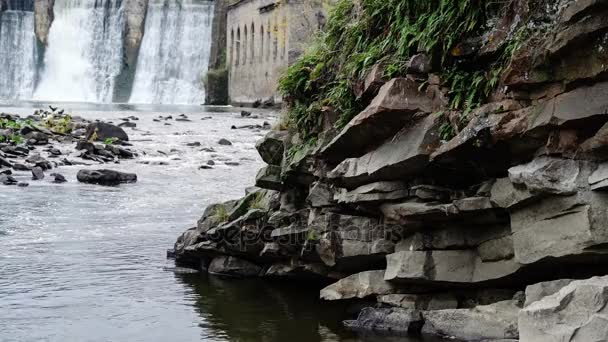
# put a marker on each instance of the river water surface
(87, 263)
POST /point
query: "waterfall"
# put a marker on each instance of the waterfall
(18, 52)
(84, 52)
(174, 53)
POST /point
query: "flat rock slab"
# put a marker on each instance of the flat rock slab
(488, 322)
(396, 103)
(403, 156)
(450, 266)
(358, 285)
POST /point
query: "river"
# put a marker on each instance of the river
(87, 263)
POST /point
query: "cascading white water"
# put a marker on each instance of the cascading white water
(84, 52)
(175, 52)
(17, 55)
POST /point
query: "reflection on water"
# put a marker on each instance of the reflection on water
(251, 310)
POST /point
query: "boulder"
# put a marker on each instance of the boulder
(576, 313)
(360, 285)
(403, 156)
(269, 177)
(395, 105)
(547, 175)
(487, 322)
(103, 131)
(105, 177)
(8, 180)
(505, 194)
(272, 146)
(394, 320)
(446, 266)
(37, 173)
(224, 142)
(58, 178)
(321, 195)
(374, 80)
(234, 267)
(560, 226)
(539, 291)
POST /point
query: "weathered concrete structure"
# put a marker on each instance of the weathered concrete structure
(264, 37)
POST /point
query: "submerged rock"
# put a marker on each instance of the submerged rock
(232, 266)
(105, 177)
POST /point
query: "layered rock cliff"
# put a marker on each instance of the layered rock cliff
(443, 215)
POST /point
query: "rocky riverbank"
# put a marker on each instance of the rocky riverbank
(469, 224)
(46, 140)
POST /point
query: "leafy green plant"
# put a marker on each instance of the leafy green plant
(361, 34)
(16, 139)
(2, 138)
(110, 141)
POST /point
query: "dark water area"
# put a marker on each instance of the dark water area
(87, 263)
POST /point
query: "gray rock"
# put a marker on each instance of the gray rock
(560, 226)
(395, 320)
(360, 285)
(321, 195)
(105, 131)
(269, 177)
(37, 173)
(580, 103)
(598, 180)
(374, 80)
(419, 64)
(224, 142)
(507, 195)
(232, 266)
(105, 177)
(539, 291)
(420, 302)
(496, 249)
(58, 178)
(547, 175)
(396, 104)
(8, 180)
(450, 266)
(576, 313)
(21, 167)
(405, 155)
(495, 321)
(272, 146)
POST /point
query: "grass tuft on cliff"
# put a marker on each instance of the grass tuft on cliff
(360, 34)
